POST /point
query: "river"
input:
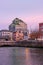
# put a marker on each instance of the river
(21, 56)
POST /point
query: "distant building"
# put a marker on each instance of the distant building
(18, 36)
(17, 24)
(5, 34)
(41, 29)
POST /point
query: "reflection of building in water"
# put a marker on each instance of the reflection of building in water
(41, 29)
(28, 56)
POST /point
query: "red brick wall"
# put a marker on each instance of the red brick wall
(41, 29)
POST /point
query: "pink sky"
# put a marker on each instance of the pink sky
(32, 21)
(30, 11)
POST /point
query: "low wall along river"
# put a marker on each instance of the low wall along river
(25, 43)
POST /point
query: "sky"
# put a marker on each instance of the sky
(30, 11)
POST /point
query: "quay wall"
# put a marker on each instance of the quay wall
(25, 43)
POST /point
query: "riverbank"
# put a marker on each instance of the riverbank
(22, 43)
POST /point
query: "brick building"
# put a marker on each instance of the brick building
(41, 29)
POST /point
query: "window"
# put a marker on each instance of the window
(25, 33)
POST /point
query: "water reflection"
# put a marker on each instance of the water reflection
(5, 58)
(28, 57)
(21, 56)
(36, 56)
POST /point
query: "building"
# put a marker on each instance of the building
(12, 27)
(18, 35)
(41, 29)
(17, 24)
(5, 34)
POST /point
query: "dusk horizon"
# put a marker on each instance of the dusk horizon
(31, 12)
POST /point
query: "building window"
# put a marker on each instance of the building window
(25, 33)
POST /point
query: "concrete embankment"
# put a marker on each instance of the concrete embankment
(30, 43)
(22, 43)
(6, 43)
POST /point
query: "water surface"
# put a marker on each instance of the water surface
(21, 56)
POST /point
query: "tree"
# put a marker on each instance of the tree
(34, 35)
